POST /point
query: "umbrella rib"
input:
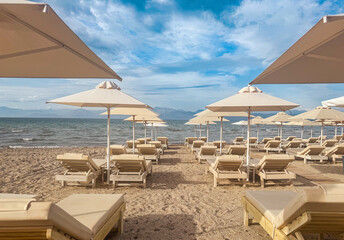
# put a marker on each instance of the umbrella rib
(18, 20)
(17, 54)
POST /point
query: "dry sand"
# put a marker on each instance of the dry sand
(178, 203)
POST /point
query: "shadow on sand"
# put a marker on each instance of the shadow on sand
(168, 180)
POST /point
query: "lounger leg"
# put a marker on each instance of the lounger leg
(215, 181)
(305, 160)
(144, 183)
(114, 184)
(299, 236)
(291, 182)
(244, 182)
(63, 183)
(262, 183)
(246, 219)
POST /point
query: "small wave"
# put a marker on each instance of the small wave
(27, 139)
(19, 146)
(16, 131)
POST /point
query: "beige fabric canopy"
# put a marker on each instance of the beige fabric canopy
(303, 123)
(317, 57)
(321, 113)
(251, 99)
(36, 43)
(206, 120)
(132, 112)
(279, 117)
(106, 94)
(334, 102)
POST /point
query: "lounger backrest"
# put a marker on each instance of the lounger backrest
(237, 150)
(312, 140)
(129, 163)
(191, 140)
(147, 149)
(265, 140)
(253, 140)
(163, 140)
(338, 137)
(197, 144)
(277, 138)
(156, 143)
(293, 144)
(338, 150)
(208, 150)
(203, 138)
(228, 163)
(290, 138)
(330, 143)
(239, 139)
(275, 162)
(312, 150)
(117, 150)
(77, 162)
(130, 143)
(217, 143)
(272, 144)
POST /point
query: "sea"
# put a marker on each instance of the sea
(71, 132)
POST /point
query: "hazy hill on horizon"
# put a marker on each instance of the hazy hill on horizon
(164, 113)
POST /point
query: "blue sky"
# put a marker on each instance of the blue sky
(183, 54)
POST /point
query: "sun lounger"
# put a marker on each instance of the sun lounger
(217, 144)
(117, 149)
(189, 141)
(335, 153)
(80, 169)
(196, 145)
(238, 140)
(273, 146)
(312, 153)
(143, 140)
(287, 215)
(338, 137)
(158, 146)
(130, 146)
(329, 143)
(226, 167)
(149, 151)
(206, 152)
(265, 140)
(253, 142)
(323, 138)
(290, 138)
(293, 147)
(274, 167)
(79, 216)
(311, 140)
(130, 169)
(164, 142)
(203, 139)
(278, 138)
(239, 150)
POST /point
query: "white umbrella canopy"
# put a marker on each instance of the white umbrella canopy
(251, 99)
(303, 123)
(220, 115)
(201, 119)
(106, 94)
(258, 120)
(317, 57)
(242, 123)
(334, 102)
(279, 117)
(322, 114)
(36, 43)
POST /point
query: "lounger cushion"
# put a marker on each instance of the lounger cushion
(87, 210)
(45, 214)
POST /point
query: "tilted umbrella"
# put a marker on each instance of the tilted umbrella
(133, 112)
(251, 99)
(220, 115)
(322, 114)
(106, 94)
(36, 43)
(279, 117)
(317, 57)
(335, 102)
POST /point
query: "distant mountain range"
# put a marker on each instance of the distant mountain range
(165, 113)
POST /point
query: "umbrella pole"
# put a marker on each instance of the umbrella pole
(311, 131)
(242, 130)
(321, 133)
(108, 147)
(342, 128)
(207, 131)
(258, 132)
(200, 130)
(335, 131)
(221, 137)
(195, 131)
(133, 134)
(281, 132)
(145, 132)
(248, 144)
(152, 131)
(302, 127)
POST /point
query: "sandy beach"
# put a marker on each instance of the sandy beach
(178, 203)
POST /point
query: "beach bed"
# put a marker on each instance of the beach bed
(117, 149)
(164, 142)
(196, 145)
(273, 146)
(238, 140)
(79, 216)
(335, 153)
(239, 150)
(206, 152)
(312, 153)
(149, 151)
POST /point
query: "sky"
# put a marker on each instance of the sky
(182, 54)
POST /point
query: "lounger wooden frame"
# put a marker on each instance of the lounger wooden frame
(307, 222)
(80, 170)
(150, 152)
(312, 153)
(164, 142)
(336, 152)
(238, 140)
(206, 152)
(226, 167)
(130, 169)
(273, 146)
(46, 232)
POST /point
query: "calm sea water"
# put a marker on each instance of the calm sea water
(47, 132)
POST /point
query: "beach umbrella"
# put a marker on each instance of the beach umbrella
(258, 120)
(303, 123)
(106, 94)
(317, 57)
(251, 99)
(144, 119)
(242, 123)
(220, 115)
(36, 43)
(133, 112)
(334, 102)
(200, 123)
(280, 117)
(322, 114)
(200, 119)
